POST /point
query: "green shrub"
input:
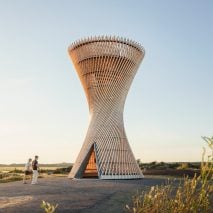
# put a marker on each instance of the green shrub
(10, 178)
(173, 165)
(194, 165)
(183, 166)
(62, 170)
(48, 171)
(16, 171)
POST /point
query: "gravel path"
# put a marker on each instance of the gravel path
(85, 195)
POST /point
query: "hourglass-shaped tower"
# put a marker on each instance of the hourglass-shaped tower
(106, 67)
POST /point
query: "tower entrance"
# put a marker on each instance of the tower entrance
(91, 168)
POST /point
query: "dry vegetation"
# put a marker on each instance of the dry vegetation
(47, 207)
(10, 173)
(191, 196)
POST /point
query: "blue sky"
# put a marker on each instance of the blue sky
(43, 109)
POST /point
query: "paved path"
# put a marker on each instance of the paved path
(85, 195)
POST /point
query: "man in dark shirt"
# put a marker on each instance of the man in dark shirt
(35, 170)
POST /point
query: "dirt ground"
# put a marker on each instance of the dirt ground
(85, 195)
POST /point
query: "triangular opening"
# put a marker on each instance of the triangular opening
(91, 168)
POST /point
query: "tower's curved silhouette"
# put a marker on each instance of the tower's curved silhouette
(106, 67)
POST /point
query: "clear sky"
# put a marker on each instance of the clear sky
(43, 109)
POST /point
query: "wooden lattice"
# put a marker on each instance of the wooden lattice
(106, 67)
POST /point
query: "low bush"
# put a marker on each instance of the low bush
(5, 178)
(173, 172)
(16, 171)
(183, 166)
(48, 171)
(173, 165)
(62, 170)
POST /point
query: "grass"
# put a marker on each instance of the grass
(192, 195)
(11, 178)
(11, 174)
(21, 168)
(47, 207)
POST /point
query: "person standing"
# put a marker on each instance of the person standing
(35, 170)
(27, 170)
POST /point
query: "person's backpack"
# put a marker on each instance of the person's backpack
(34, 165)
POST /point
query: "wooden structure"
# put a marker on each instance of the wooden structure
(106, 67)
